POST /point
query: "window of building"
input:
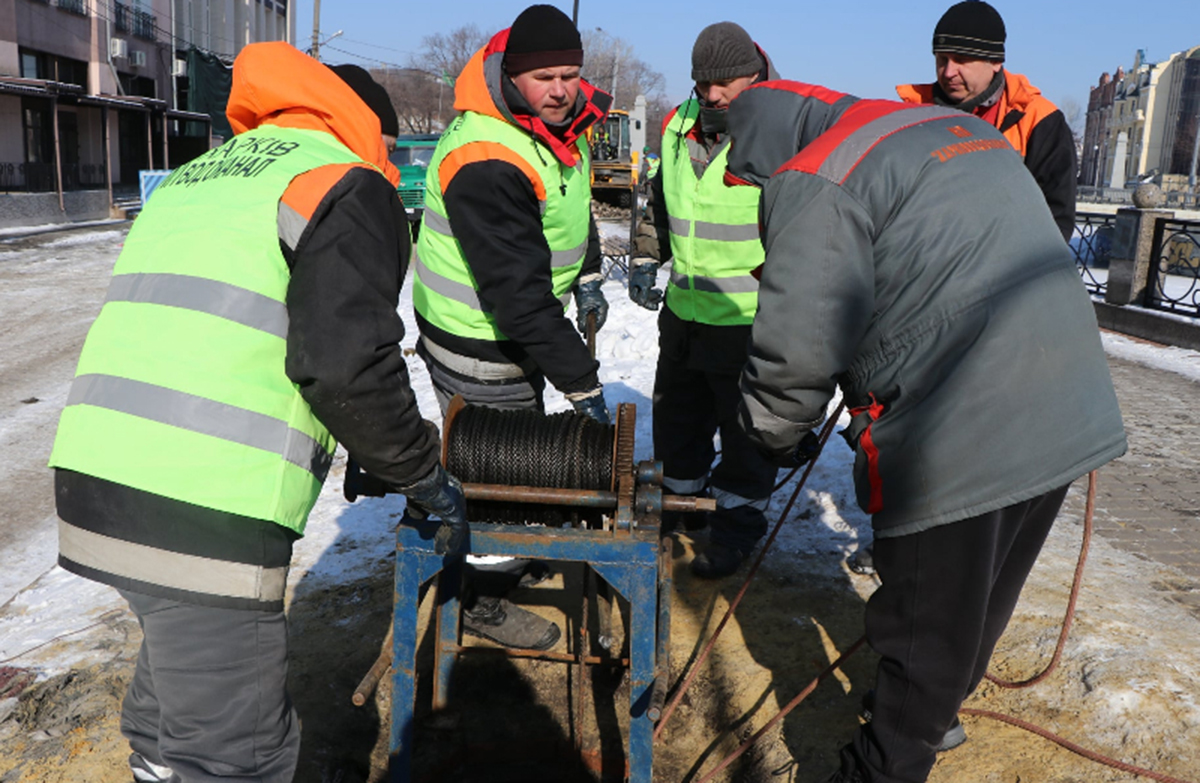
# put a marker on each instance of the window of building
(40, 65)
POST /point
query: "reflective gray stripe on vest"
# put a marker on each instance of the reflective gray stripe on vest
(561, 258)
(459, 292)
(737, 284)
(715, 232)
(203, 296)
(291, 225)
(476, 368)
(171, 569)
(837, 166)
(438, 224)
(721, 232)
(451, 289)
(201, 415)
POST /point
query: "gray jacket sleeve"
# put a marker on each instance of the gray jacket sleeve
(815, 302)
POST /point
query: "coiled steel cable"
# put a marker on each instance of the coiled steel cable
(526, 448)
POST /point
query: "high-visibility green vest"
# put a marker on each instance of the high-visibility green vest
(714, 233)
(444, 290)
(181, 389)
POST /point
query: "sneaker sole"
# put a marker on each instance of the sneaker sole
(545, 643)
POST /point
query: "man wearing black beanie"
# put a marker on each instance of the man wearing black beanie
(507, 237)
(968, 44)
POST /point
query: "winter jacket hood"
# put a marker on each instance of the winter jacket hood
(276, 84)
(765, 140)
(480, 89)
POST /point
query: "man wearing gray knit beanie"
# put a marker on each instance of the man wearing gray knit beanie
(709, 232)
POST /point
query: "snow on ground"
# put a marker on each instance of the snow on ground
(343, 540)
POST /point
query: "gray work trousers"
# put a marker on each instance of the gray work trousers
(209, 697)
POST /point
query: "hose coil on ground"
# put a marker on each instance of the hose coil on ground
(527, 448)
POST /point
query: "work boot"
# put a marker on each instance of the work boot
(863, 561)
(954, 736)
(503, 622)
(717, 561)
(146, 771)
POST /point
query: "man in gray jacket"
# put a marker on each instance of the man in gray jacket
(911, 262)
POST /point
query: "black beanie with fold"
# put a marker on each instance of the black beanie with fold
(373, 94)
(542, 37)
(971, 28)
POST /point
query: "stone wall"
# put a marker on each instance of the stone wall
(39, 209)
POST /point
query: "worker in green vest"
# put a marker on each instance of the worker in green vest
(709, 233)
(507, 239)
(250, 324)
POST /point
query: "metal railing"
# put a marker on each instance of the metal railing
(27, 177)
(74, 6)
(1091, 244)
(122, 17)
(143, 25)
(1173, 284)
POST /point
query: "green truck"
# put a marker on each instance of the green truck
(412, 155)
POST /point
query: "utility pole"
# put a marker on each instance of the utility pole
(316, 43)
(616, 62)
(575, 15)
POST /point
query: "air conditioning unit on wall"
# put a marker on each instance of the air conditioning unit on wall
(137, 59)
(179, 68)
(118, 47)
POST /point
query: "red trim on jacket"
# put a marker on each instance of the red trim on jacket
(867, 442)
(810, 158)
(667, 120)
(734, 181)
(822, 94)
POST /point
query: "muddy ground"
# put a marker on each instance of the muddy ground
(1128, 686)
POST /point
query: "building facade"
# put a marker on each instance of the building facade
(90, 90)
(1144, 125)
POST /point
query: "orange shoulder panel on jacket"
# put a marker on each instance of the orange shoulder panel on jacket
(305, 193)
(479, 151)
(915, 93)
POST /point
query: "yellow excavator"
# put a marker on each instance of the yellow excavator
(616, 150)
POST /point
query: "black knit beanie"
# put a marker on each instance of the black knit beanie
(542, 37)
(972, 28)
(373, 94)
(724, 51)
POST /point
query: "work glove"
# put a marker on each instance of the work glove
(643, 274)
(799, 455)
(590, 299)
(591, 403)
(440, 494)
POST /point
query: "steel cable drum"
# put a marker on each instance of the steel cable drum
(526, 448)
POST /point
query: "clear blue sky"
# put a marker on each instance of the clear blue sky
(864, 48)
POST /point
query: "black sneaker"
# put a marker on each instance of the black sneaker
(503, 622)
(717, 561)
(863, 561)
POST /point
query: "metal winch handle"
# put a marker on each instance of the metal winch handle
(589, 498)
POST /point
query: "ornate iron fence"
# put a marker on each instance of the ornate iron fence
(26, 177)
(1091, 244)
(1173, 284)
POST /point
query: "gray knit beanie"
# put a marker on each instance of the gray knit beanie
(724, 51)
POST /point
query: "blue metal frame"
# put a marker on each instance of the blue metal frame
(628, 561)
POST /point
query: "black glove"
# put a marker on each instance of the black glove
(590, 299)
(803, 452)
(643, 274)
(593, 405)
(440, 494)
(358, 482)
